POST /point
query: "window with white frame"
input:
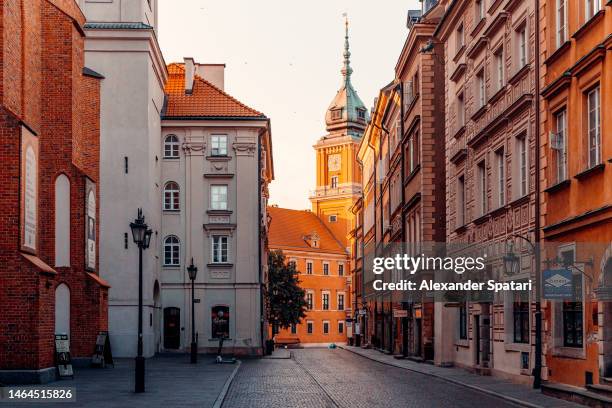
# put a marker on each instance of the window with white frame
(460, 110)
(171, 147)
(171, 196)
(479, 10)
(325, 299)
(325, 268)
(481, 88)
(482, 186)
(459, 38)
(340, 326)
(309, 300)
(218, 145)
(521, 38)
(460, 200)
(325, 326)
(340, 269)
(559, 145)
(220, 249)
(334, 182)
(594, 127)
(172, 251)
(309, 327)
(218, 197)
(561, 22)
(309, 267)
(523, 169)
(341, 301)
(501, 177)
(592, 8)
(500, 67)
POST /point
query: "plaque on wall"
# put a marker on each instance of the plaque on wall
(29, 190)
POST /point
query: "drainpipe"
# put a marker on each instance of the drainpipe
(363, 301)
(537, 377)
(259, 247)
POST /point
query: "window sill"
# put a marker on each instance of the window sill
(172, 211)
(592, 21)
(412, 174)
(478, 26)
(218, 175)
(219, 212)
(498, 94)
(598, 168)
(481, 219)
(459, 53)
(462, 343)
(218, 158)
(518, 75)
(557, 53)
(170, 158)
(576, 353)
(219, 265)
(520, 347)
(558, 186)
(476, 115)
(172, 266)
(460, 229)
(460, 132)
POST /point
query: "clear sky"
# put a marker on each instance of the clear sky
(283, 58)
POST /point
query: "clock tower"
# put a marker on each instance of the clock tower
(338, 174)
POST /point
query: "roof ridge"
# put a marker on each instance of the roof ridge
(221, 91)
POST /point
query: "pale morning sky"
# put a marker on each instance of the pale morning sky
(284, 58)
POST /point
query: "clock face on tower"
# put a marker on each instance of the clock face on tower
(334, 162)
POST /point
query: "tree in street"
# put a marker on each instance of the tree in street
(286, 299)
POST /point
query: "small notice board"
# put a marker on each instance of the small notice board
(103, 354)
(62, 355)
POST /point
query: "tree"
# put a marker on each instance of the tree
(286, 299)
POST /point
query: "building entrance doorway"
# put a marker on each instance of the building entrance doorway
(172, 328)
(606, 328)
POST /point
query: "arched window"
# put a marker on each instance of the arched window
(172, 251)
(62, 309)
(62, 221)
(171, 147)
(171, 196)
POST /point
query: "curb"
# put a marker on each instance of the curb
(226, 386)
(452, 381)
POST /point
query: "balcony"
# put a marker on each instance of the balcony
(342, 190)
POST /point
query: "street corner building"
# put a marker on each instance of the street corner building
(322, 261)
(49, 167)
(216, 165)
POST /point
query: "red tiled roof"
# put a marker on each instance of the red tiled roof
(206, 100)
(289, 227)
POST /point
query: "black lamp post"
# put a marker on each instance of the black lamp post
(142, 237)
(512, 262)
(192, 270)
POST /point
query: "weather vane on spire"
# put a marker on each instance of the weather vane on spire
(346, 70)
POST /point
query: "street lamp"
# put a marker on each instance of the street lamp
(192, 270)
(512, 262)
(142, 237)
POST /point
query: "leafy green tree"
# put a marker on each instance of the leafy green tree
(285, 298)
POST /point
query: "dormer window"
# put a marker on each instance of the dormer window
(313, 240)
(361, 113)
(336, 114)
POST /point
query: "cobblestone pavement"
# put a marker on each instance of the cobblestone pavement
(170, 382)
(337, 378)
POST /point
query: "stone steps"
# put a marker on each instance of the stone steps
(602, 389)
(577, 395)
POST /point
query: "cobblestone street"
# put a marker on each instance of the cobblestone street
(337, 378)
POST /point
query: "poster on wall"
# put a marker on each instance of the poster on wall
(29, 190)
(220, 322)
(90, 225)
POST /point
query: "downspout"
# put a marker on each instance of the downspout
(362, 243)
(259, 247)
(537, 378)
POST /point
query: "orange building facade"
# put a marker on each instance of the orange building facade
(323, 265)
(577, 177)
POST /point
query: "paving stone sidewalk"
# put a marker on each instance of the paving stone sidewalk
(509, 391)
(170, 382)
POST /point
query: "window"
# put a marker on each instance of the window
(325, 327)
(171, 147)
(325, 301)
(412, 153)
(594, 127)
(482, 90)
(559, 145)
(340, 326)
(220, 249)
(520, 314)
(340, 269)
(340, 301)
(171, 196)
(309, 326)
(172, 249)
(480, 10)
(482, 187)
(592, 8)
(294, 329)
(334, 182)
(522, 46)
(499, 67)
(561, 22)
(460, 110)
(218, 197)
(218, 145)
(293, 263)
(522, 163)
(501, 177)
(309, 300)
(309, 267)
(463, 315)
(336, 114)
(62, 220)
(459, 38)
(333, 218)
(325, 268)
(573, 311)
(361, 114)
(460, 201)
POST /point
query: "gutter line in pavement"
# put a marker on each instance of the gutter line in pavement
(221, 397)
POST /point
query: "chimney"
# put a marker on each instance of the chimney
(213, 73)
(189, 74)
